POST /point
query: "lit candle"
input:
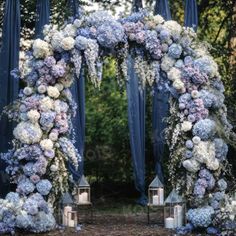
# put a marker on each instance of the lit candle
(155, 200)
(65, 214)
(161, 195)
(178, 216)
(169, 223)
(233, 203)
(72, 222)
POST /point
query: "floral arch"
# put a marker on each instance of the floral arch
(197, 125)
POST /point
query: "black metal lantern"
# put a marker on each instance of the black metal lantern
(156, 193)
(174, 210)
(83, 196)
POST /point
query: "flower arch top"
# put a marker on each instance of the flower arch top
(37, 162)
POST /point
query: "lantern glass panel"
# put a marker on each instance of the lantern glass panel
(156, 192)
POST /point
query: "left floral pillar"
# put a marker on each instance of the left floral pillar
(9, 58)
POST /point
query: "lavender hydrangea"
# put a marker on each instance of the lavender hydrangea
(195, 75)
(25, 186)
(152, 44)
(205, 129)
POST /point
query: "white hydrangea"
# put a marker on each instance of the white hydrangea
(191, 165)
(178, 84)
(41, 49)
(46, 144)
(33, 116)
(27, 132)
(69, 30)
(186, 126)
(173, 27)
(53, 92)
(158, 19)
(213, 164)
(57, 37)
(174, 74)
(46, 104)
(167, 63)
(204, 151)
(68, 43)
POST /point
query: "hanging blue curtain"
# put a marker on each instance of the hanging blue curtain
(9, 59)
(136, 117)
(42, 16)
(160, 104)
(191, 14)
(78, 92)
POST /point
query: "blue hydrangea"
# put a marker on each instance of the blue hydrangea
(222, 184)
(200, 217)
(24, 221)
(219, 196)
(44, 187)
(221, 149)
(25, 186)
(208, 98)
(31, 152)
(110, 34)
(205, 129)
(47, 119)
(31, 207)
(189, 144)
(152, 44)
(29, 169)
(13, 197)
(212, 231)
(185, 98)
(188, 154)
(136, 16)
(175, 50)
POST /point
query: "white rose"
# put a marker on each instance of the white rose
(53, 92)
(191, 165)
(186, 126)
(59, 86)
(28, 91)
(53, 168)
(46, 144)
(42, 89)
(174, 74)
(178, 84)
(67, 43)
(53, 136)
(195, 94)
(33, 116)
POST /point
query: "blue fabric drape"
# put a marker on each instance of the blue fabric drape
(191, 14)
(78, 92)
(136, 117)
(160, 104)
(162, 8)
(9, 59)
(42, 16)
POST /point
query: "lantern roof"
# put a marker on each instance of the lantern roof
(83, 182)
(67, 199)
(174, 197)
(156, 183)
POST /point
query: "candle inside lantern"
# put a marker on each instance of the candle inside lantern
(72, 219)
(169, 223)
(67, 209)
(161, 196)
(83, 197)
(178, 215)
(155, 200)
(233, 203)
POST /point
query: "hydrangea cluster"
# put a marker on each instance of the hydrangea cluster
(45, 107)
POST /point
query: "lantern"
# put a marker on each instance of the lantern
(174, 211)
(83, 192)
(156, 193)
(69, 215)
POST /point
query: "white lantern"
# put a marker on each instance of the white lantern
(156, 193)
(174, 211)
(83, 192)
(69, 215)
